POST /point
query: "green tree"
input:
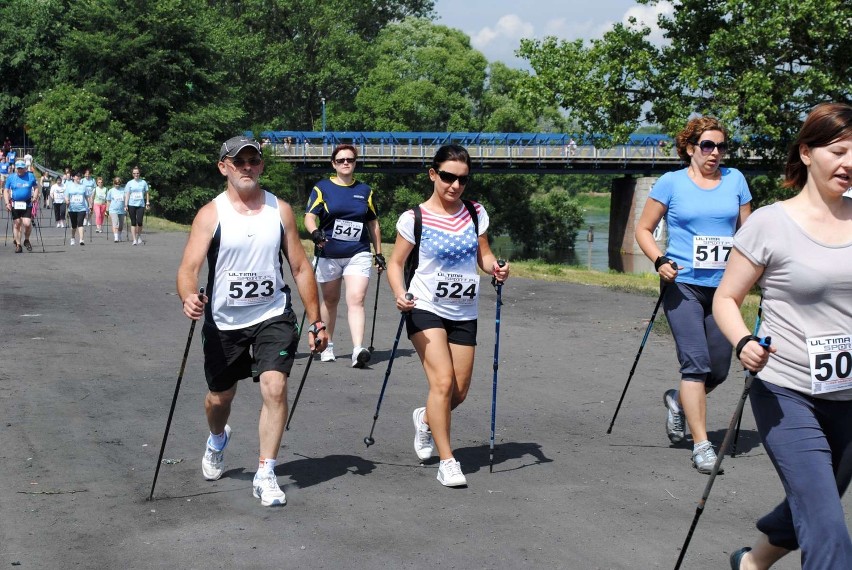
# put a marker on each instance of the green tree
(423, 77)
(29, 39)
(557, 218)
(75, 129)
(759, 66)
(296, 52)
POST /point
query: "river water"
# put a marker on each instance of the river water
(591, 250)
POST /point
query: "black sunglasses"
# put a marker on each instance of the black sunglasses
(708, 146)
(240, 162)
(449, 178)
(346, 160)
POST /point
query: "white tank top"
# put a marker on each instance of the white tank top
(245, 282)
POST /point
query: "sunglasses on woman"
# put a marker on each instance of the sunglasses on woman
(346, 160)
(708, 146)
(450, 178)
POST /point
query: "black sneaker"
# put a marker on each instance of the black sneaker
(28, 245)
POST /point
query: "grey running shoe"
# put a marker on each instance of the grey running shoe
(675, 419)
(704, 458)
(213, 463)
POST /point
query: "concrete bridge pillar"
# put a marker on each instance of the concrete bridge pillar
(628, 198)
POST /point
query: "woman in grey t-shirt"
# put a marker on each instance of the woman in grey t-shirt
(800, 253)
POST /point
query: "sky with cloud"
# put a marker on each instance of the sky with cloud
(496, 27)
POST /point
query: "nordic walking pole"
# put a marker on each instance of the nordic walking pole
(302, 383)
(638, 354)
(40, 235)
(740, 419)
(174, 400)
(369, 439)
(498, 286)
(305, 312)
(6, 238)
(749, 376)
(380, 266)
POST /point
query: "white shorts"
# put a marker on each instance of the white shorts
(332, 269)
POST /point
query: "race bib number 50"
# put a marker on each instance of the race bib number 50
(455, 288)
(247, 288)
(711, 252)
(831, 363)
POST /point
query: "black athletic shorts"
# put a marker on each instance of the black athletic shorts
(135, 214)
(227, 358)
(77, 219)
(25, 213)
(458, 332)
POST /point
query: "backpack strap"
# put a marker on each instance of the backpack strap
(471, 209)
(414, 257)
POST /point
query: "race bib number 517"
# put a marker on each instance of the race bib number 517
(711, 252)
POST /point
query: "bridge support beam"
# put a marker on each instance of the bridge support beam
(626, 203)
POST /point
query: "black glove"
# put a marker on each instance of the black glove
(380, 261)
(318, 236)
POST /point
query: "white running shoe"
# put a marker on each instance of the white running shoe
(71, 242)
(360, 357)
(213, 463)
(450, 473)
(265, 488)
(134, 242)
(327, 355)
(423, 444)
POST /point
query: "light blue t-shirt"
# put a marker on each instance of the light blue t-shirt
(21, 187)
(77, 196)
(137, 190)
(693, 211)
(89, 184)
(115, 197)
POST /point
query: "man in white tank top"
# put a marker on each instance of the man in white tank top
(241, 234)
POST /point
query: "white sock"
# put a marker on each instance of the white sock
(217, 442)
(446, 462)
(700, 445)
(267, 466)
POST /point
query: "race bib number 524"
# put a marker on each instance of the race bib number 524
(455, 288)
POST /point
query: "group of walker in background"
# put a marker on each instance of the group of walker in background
(75, 199)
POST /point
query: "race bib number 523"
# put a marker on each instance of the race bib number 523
(247, 288)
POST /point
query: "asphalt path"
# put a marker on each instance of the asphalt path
(93, 338)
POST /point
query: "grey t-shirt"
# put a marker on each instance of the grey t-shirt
(807, 293)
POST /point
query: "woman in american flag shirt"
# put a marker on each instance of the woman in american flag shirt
(447, 246)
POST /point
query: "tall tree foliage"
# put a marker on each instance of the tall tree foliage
(29, 45)
(757, 65)
(297, 52)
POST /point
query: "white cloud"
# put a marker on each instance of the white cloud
(648, 15)
(509, 28)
